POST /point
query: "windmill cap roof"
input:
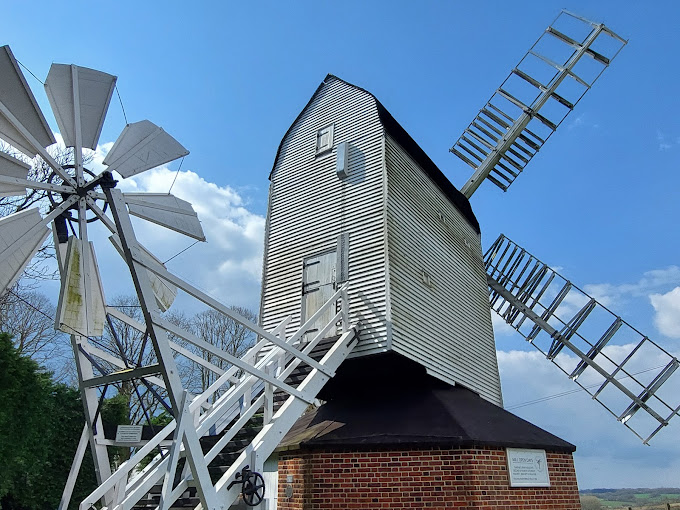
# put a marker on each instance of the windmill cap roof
(407, 143)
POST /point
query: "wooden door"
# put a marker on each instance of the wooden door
(318, 285)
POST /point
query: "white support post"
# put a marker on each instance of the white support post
(246, 400)
(182, 421)
(102, 466)
(75, 469)
(159, 339)
(280, 364)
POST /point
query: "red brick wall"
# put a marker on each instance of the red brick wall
(418, 478)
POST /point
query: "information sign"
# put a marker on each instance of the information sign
(527, 468)
(129, 434)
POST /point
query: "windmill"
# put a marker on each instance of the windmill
(550, 312)
(80, 199)
(521, 284)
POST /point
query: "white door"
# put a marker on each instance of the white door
(318, 285)
(270, 473)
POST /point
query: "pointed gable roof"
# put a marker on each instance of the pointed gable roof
(405, 140)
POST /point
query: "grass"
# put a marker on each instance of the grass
(644, 500)
(614, 504)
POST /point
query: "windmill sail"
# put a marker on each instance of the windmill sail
(81, 309)
(166, 210)
(12, 167)
(533, 101)
(22, 124)
(92, 88)
(21, 236)
(142, 146)
(617, 365)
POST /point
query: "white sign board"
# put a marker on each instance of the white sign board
(527, 468)
(129, 434)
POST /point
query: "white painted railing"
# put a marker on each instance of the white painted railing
(252, 380)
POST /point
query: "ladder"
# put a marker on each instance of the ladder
(608, 358)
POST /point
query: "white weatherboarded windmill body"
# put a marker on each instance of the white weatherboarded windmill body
(353, 198)
(354, 201)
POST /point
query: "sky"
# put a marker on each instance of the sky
(600, 202)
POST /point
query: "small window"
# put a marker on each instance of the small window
(324, 140)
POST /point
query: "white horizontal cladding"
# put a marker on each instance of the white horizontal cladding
(438, 292)
(309, 206)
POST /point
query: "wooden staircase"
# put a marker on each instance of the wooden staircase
(267, 390)
(236, 446)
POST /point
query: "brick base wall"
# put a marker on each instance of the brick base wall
(418, 478)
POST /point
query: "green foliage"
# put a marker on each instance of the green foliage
(22, 397)
(40, 425)
(116, 410)
(590, 503)
(161, 420)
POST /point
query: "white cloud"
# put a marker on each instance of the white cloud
(662, 139)
(228, 266)
(667, 312)
(98, 157)
(651, 281)
(575, 122)
(582, 120)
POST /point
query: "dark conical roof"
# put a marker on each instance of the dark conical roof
(421, 411)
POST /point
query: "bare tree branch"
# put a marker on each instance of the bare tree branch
(28, 316)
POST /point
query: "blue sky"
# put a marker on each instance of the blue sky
(601, 201)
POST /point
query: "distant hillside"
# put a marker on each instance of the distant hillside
(663, 490)
(635, 497)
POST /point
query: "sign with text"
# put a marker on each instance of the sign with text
(129, 434)
(527, 468)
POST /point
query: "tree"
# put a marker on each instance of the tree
(590, 503)
(129, 402)
(40, 425)
(224, 332)
(129, 343)
(29, 318)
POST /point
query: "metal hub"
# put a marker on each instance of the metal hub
(105, 179)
